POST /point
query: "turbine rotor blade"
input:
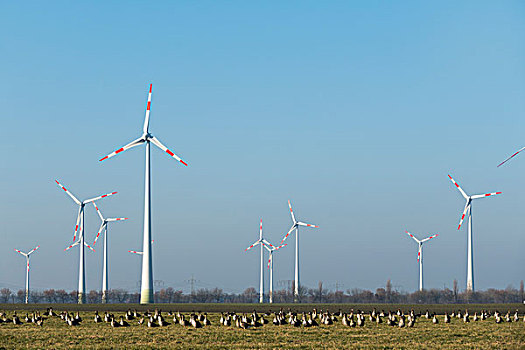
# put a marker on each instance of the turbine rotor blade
(69, 193)
(485, 195)
(80, 209)
(411, 235)
(31, 251)
(253, 245)
(260, 231)
(291, 211)
(116, 219)
(459, 188)
(281, 246)
(307, 225)
(268, 243)
(419, 254)
(290, 231)
(99, 197)
(146, 120)
(87, 245)
(132, 144)
(71, 246)
(467, 206)
(98, 211)
(134, 252)
(270, 260)
(512, 156)
(429, 238)
(24, 254)
(99, 231)
(157, 143)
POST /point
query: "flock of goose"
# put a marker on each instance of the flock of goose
(231, 319)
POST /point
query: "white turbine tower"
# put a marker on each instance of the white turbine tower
(27, 255)
(146, 292)
(420, 256)
(295, 226)
(262, 242)
(80, 218)
(470, 253)
(272, 249)
(512, 156)
(104, 226)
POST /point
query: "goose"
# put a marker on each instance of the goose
(497, 318)
(378, 319)
(40, 322)
(344, 320)
(311, 321)
(194, 322)
(141, 320)
(447, 318)
(401, 323)
(304, 321)
(351, 323)
(27, 319)
(151, 324)
(122, 322)
(411, 321)
(113, 323)
(77, 317)
(16, 319)
(435, 319)
(475, 318)
(208, 323)
(466, 318)
(516, 317)
(162, 322)
(360, 320)
(97, 317)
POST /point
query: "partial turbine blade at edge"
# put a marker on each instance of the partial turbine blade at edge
(24, 254)
(87, 245)
(116, 219)
(157, 143)
(509, 158)
(291, 211)
(99, 231)
(134, 252)
(98, 211)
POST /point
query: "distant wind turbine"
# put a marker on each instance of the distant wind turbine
(27, 255)
(272, 249)
(470, 253)
(262, 242)
(295, 226)
(104, 227)
(80, 219)
(146, 291)
(420, 256)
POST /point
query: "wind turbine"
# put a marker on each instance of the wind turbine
(420, 256)
(104, 226)
(470, 253)
(500, 164)
(80, 218)
(295, 226)
(146, 292)
(27, 255)
(262, 242)
(272, 249)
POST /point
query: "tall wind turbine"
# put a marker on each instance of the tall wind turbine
(470, 253)
(420, 256)
(262, 242)
(295, 226)
(104, 226)
(512, 156)
(80, 218)
(272, 249)
(27, 255)
(146, 291)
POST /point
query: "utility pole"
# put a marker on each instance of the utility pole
(192, 281)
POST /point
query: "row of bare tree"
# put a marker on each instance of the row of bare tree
(388, 294)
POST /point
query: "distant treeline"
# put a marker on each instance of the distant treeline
(306, 295)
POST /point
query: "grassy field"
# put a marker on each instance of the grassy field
(55, 333)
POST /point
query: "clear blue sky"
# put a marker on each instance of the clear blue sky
(356, 111)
